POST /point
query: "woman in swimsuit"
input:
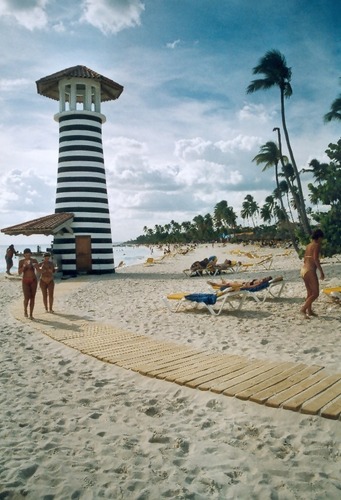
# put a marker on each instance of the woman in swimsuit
(28, 268)
(47, 270)
(311, 264)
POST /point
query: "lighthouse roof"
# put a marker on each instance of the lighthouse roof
(48, 86)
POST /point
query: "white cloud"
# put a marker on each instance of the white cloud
(112, 16)
(258, 112)
(59, 27)
(30, 14)
(219, 152)
(23, 191)
(109, 16)
(14, 84)
(172, 45)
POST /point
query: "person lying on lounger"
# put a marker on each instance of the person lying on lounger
(199, 266)
(241, 285)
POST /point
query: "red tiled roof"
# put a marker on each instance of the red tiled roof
(50, 224)
(48, 86)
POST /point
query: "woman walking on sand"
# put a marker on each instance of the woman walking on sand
(47, 270)
(28, 268)
(311, 264)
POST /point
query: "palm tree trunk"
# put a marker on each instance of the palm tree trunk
(291, 232)
(301, 206)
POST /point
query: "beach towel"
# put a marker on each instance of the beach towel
(207, 298)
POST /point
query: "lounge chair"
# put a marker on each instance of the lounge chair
(149, 262)
(228, 266)
(198, 267)
(272, 287)
(334, 293)
(184, 300)
(265, 263)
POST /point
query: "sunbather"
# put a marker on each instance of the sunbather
(199, 266)
(241, 285)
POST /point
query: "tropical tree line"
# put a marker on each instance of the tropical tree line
(285, 209)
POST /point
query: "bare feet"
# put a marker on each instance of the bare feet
(25, 314)
(312, 313)
(305, 314)
(31, 317)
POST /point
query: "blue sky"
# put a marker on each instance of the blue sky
(183, 134)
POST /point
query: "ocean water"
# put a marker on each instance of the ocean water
(130, 255)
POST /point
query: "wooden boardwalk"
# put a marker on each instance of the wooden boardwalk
(291, 386)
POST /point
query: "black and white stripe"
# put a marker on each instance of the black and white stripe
(81, 189)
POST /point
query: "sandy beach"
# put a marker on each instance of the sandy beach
(75, 427)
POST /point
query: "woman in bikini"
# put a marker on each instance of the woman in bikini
(28, 268)
(47, 270)
(311, 264)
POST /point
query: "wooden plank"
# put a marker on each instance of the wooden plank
(62, 335)
(127, 346)
(102, 347)
(277, 374)
(130, 352)
(246, 380)
(278, 399)
(313, 406)
(158, 362)
(141, 348)
(172, 359)
(180, 355)
(183, 364)
(138, 352)
(226, 374)
(261, 396)
(91, 341)
(227, 367)
(186, 376)
(169, 362)
(235, 377)
(186, 365)
(206, 365)
(155, 355)
(135, 360)
(333, 410)
(296, 402)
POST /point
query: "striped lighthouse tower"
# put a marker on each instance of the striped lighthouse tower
(86, 245)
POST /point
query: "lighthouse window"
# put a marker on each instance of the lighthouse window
(93, 99)
(67, 97)
(80, 91)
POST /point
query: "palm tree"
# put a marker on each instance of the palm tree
(199, 224)
(274, 67)
(224, 216)
(284, 189)
(266, 213)
(249, 208)
(335, 110)
(269, 154)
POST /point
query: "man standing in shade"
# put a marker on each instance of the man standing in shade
(9, 258)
